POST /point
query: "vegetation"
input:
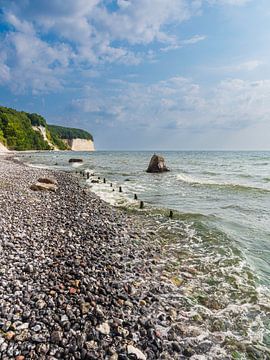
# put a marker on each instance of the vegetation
(17, 132)
(69, 133)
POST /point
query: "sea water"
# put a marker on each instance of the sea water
(220, 225)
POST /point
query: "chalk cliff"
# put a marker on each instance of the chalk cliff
(80, 144)
(3, 148)
(21, 131)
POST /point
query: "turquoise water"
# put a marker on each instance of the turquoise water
(221, 222)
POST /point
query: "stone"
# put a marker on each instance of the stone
(104, 328)
(72, 291)
(132, 350)
(157, 165)
(36, 328)
(41, 304)
(85, 307)
(75, 160)
(43, 187)
(56, 337)
(9, 335)
(47, 181)
(24, 335)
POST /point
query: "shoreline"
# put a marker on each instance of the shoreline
(81, 279)
(69, 265)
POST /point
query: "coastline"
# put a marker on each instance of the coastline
(71, 272)
(83, 280)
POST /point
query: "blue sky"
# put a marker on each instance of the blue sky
(142, 74)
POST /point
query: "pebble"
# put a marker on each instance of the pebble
(135, 351)
(104, 328)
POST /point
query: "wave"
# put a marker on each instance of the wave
(222, 184)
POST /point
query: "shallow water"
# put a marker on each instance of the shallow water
(221, 224)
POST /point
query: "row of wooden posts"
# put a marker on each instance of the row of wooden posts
(87, 174)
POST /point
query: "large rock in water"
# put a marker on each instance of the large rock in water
(75, 160)
(157, 164)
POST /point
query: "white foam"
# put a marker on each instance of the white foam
(196, 181)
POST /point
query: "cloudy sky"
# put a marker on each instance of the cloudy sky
(142, 74)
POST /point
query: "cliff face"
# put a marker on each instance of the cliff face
(42, 130)
(24, 131)
(80, 144)
(3, 148)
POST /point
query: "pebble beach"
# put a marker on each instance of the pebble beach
(80, 279)
(73, 275)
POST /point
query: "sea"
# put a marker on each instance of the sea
(219, 225)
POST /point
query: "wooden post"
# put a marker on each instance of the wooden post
(171, 214)
(120, 188)
(104, 181)
(135, 197)
(141, 205)
(99, 178)
(88, 175)
(111, 184)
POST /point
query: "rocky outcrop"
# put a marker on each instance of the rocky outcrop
(80, 144)
(157, 164)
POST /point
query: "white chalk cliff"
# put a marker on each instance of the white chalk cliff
(42, 131)
(3, 148)
(80, 144)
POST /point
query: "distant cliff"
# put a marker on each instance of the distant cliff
(24, 131)
(75, 139)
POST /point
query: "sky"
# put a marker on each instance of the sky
(142, 74)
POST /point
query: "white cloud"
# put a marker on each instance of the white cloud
(92, 29)
(179, 44)
(229, 2)
(179, 103)
(36, 65)
(49, 38)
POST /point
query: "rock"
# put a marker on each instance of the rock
(85, 307)
(135, 351)
(9, 335)
(24, 335)
(36, 328)
(56, 337)
(157, 164)
(43, 187)
(104, 328)
(41, 304)
(47, 181)
(75, 160)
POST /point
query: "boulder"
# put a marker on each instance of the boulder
(75, 160)
(157, 164)
(43, 187)
(47, 181)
